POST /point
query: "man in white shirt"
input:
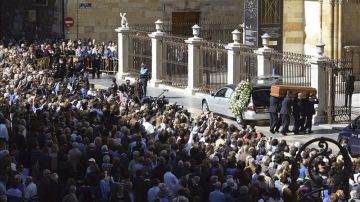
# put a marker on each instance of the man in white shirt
(30, 191)
(149, 128)
(91, 92)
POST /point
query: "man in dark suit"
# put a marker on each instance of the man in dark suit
(96, 61)
(279, 121)
(285, 113)
(296, 113)
(309, 111)
(144, 76)
(273, 110)
(349, 89)
(302, 106)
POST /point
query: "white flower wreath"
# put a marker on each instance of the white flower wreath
(240, 98)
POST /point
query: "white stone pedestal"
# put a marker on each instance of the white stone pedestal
(318, 81)
(123, 53)
(263, 61)
(233, 74)
(157, 53)
(193, 64)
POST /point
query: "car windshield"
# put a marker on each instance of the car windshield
(267, 80)
(261, 97)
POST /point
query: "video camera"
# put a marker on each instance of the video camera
(155, 101)
(158, 102)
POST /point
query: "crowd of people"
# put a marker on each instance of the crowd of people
(64, 140)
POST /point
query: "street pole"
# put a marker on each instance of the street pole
(77, 20)
(63, 18)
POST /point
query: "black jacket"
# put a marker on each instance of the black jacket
(349, 84)
(297, 107)
(309, 108)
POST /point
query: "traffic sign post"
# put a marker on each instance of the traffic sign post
(69, 22)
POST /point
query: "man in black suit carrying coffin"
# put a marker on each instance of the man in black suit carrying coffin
(285, 113)
(273, 110)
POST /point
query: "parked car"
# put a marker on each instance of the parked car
(351, 135)
(258, 104)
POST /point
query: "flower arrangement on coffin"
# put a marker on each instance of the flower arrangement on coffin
(239, 101)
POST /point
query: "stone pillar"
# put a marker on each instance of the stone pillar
(157, 54)
(123, 52)
(318, 81)
(263, 56)
(233, 74)
(193, 60)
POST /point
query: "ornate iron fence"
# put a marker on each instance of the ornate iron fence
(324, 171)
(294, 68)
(139, 52)
(339, 99)
(176, 61)
(213, 68)
(210, 31)
(248, 63)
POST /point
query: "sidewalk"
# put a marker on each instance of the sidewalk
(193, 103)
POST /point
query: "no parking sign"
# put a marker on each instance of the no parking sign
(69, 22)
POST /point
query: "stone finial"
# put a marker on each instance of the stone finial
(242, 25)
(159, 25)
(196, 30)
(124, 22)
(320, 48)
(265, 40)
(236, 36)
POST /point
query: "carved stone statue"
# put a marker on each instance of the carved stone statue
(124, 22)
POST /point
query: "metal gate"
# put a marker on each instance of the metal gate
(294, 68)
(248, 63)
(339, 100)
(139, 52)
(176, 62)
(213, 68)
(325, 172)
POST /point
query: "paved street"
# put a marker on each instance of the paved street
(193, 104)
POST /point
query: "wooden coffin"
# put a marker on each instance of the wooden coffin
(280, 90)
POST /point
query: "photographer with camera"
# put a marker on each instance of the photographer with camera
(128, 88)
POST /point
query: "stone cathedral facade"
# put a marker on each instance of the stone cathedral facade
(304, 22)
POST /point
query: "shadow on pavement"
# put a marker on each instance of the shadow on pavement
(324, 131)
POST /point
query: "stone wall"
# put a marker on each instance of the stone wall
(351, 24)
(102, 18)
(312, 26)
(293, 29)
